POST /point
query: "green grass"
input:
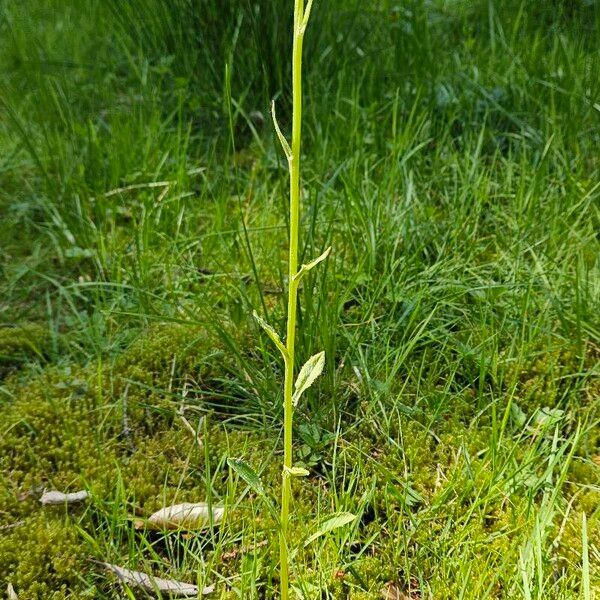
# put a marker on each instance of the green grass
(450, 160)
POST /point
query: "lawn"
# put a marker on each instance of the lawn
(450, 159)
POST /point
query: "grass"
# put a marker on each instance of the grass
(450, 160)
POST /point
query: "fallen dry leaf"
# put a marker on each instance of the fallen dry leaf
(11, 525)
(10, 592)
(150, 583)
(184, 516)
(243, 550)
(392, 591)
(51, 498)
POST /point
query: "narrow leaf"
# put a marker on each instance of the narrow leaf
(312, 368)
(247, 473)
(272, 334)
(306, 17)
(282, 140)
(296, 471)
(335, 522)
(304, 269)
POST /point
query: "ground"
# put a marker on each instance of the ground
(450, 160)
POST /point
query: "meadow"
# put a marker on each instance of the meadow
(450, 159)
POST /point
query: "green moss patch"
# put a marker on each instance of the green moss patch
(20, 343)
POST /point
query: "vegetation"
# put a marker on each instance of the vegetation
(450, 158)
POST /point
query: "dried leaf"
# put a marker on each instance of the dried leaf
(10, 592)
(243, 550)
(392, 592)
(11, 525)
(53, 498)
(187, 515)
(150, 583)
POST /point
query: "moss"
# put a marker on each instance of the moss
(360, 595)
(54, 434)
(66, 430)
(568, 536)
(40, 559)
(165, 353)
(116, 430)
(546, 379)
(20, 343)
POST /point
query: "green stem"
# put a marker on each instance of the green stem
(294, 166)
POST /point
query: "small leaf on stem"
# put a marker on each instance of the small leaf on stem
(282, 140)
(304, 269)
(272, 334)
(312, 368)
(306, 17)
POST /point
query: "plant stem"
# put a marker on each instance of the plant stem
(294, 167)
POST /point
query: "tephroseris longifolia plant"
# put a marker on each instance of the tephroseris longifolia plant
(314, 366)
